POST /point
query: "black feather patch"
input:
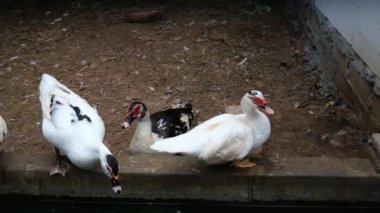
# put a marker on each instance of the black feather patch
(168, 123)
(112, 162)
(79, 115)
(52, 100)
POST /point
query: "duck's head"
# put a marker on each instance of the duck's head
(255, 99)
(110, 167)
(135, 110)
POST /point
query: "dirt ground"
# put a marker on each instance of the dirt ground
(207, 53)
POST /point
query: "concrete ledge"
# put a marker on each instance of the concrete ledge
(177, 178)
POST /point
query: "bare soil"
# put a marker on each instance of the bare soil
(207, 53)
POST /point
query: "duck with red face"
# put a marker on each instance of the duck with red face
(162, 124)
(225, 138)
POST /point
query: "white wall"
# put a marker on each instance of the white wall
(359, 23)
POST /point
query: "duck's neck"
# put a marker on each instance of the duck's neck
(144, 124)
(258, 121)
(142, 139)
(103, 152)
(249, 110)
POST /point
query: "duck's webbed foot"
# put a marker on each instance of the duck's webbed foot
(59, 169)
(243, 163)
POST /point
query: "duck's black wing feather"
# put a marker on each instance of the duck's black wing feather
(172, 122)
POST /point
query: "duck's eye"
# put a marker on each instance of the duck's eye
(254, 93)
(137, 110)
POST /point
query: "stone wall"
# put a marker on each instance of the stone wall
(354, 80)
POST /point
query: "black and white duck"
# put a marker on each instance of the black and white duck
(75, 128)
(151, 127)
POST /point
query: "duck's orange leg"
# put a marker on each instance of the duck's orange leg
(243, 163)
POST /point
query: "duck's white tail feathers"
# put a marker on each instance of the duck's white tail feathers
(50, 86)
(188, 143)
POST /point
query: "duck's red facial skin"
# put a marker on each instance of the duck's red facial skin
(259, 101)
(262, 103)
(134, 110)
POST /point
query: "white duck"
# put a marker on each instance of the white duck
(225, 138)
(3, 129)
(72, 126)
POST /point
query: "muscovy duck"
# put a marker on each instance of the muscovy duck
(74, 127)
(226, 137)
(3, 129)
(162, 124)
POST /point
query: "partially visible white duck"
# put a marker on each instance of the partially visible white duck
(74, 127)
(225, 138)
(3, 129)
